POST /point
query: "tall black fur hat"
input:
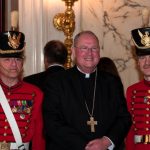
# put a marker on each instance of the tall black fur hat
(141, 39)
(12, 44)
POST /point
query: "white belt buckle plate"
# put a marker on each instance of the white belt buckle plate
(137, 138)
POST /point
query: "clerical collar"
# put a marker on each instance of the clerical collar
(87, 75)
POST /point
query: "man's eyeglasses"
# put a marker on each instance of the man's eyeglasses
(85, 49)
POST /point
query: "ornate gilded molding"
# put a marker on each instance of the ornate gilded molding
(66, 23)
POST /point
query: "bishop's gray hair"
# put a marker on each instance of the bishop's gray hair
(82, 33)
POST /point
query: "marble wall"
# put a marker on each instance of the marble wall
(111, 20)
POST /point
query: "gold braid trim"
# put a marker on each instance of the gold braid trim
(11, 51)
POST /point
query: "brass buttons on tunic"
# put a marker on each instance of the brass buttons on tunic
(133, 103)
(33, 94)
(133, 96)
(148, 103)
(135, 129)
(8, 93)
(5, 127)
(5, 134)
(28, 121)
(134, 91)
(147, 129)
(147, 122)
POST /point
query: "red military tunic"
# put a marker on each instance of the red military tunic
(138, 100)
(25, 101)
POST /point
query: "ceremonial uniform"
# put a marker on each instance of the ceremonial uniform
(138, 100)
(138, 94)
(25, 101)
(20, 102)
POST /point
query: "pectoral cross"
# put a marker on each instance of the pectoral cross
(92, 123)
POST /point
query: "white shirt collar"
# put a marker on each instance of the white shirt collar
(87, 75)
(55, 65)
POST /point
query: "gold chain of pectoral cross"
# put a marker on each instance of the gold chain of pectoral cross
(92, 122)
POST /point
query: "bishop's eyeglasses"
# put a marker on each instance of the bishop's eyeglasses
(86, 49)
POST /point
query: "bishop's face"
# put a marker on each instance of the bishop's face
(87, 53)
(144, 64)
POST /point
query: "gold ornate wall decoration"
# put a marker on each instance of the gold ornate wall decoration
(66, 23)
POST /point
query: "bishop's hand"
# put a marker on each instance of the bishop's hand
(98, 144)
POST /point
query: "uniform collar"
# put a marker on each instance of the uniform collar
(147, 82)
(12, 87)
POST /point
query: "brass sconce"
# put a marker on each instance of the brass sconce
(66, 23)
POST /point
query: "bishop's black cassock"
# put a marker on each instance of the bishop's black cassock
(66, 114)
